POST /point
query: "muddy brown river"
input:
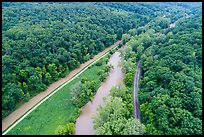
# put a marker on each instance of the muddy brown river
(84, 125)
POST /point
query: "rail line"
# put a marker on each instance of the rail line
(135, 94)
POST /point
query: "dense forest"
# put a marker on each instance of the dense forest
(171, 87)
(44, 41)
(170, 92)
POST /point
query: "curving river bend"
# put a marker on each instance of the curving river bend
(84, 125)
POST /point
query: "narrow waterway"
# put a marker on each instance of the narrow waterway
(84, 125)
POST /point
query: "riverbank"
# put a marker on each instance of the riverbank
(84, 125)
(27, 106)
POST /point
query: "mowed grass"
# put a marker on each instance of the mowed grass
(55, 111)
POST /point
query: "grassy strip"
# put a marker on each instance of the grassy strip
(55, 111)
(63, 112)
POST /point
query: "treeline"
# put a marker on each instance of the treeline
(43, 42)
(170, 88)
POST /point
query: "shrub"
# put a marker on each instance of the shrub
(120, 45)
(84, 79)
(99, 62)
(111, 52)
(61, 130)
(70, 128)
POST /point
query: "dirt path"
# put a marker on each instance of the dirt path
(10, 119)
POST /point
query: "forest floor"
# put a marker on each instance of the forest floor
(9, 120)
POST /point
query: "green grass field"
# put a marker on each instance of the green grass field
(55, 111)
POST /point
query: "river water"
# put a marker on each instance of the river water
(84, 125)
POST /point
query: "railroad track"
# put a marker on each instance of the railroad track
(135, 94)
